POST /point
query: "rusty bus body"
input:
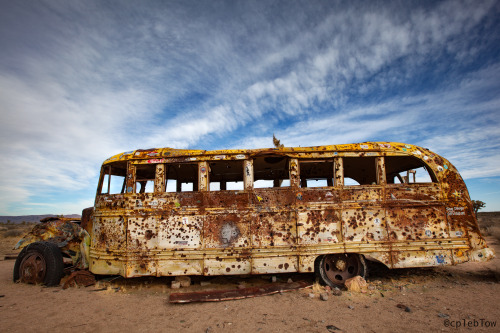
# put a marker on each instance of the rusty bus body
(170, 212)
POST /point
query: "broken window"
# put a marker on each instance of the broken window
(360, 171)
(316, 173)
(271, 171)
(407, 170)
(113, 180)
(226, 175)
(145, 178)
(181, 177)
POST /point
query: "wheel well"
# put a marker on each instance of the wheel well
(318, 258)
(371, 259)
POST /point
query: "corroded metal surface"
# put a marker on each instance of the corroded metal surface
(80, 278)
(190, 222)
(33, 268)
(226, 295)
(72, 239)
(341, 267)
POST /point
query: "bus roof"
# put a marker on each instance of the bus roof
(155, 155)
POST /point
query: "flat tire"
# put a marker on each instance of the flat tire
(39, 263)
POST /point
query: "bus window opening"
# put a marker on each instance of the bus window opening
(271, 171)
(226, 175)
(113, 181)
(360, 171)
(181, 177)
(407, 170)
(316, 174)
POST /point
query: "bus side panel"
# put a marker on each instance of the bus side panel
(463, 225)
(408, 194)
(361, 194)
(401, 194)
(306, 263)
(142, 237)
(111, 203)
(270, 229)
(364, 224)
(459, 207)
(142, 234)
(318, 216)
(109, 233)
(227, 221)
(320, 226)
(417, 223)
(221, 266)
(108, 244)
(430, 192)
(274, 218)
(285, 264)
(317, 196)
(140, 266)
(402, 259)
(226, 200)
(179, 232)
(179, 266)
(226, 230)
(457, 217)
(363, 216)
(107, 266)
(166, 202)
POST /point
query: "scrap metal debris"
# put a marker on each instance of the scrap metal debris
(10, 256)
(225, 295)
(72, 239)
(80, 278)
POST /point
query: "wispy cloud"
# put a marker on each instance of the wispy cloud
(82, 81)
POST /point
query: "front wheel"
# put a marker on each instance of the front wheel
(39, 263)
(335, 269)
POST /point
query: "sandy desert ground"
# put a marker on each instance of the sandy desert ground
(415, 300)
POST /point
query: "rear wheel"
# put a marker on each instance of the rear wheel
(335, 269)
(39, 263)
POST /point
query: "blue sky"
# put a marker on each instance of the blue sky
(83, 80)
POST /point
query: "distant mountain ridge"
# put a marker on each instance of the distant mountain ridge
(31, 218)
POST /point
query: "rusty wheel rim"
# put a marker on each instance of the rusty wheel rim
(341, 267)
(32, 268)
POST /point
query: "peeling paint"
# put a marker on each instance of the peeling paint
(66, 233)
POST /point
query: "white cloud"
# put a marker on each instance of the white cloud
(449, 122)
(79, 83)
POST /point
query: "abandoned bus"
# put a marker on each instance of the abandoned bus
(170, 212)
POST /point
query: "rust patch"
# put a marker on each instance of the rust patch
(225, 295)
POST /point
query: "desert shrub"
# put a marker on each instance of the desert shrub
(495, 232)
(477, 205)
(485, 230)
(10, 226)
(486, 223)
(13, 233)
